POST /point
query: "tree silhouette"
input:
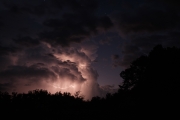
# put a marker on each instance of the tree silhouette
(156, 73)
(153, 83)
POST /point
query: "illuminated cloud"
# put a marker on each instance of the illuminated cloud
(65, 69)
(45, 45)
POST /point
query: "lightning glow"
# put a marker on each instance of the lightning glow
(56, 86)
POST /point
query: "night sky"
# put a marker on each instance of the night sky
(79, 45)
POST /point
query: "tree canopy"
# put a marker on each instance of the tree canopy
(157, 72)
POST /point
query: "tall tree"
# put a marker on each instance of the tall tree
(158, 72)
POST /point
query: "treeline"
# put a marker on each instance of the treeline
(40, 104)
(150, 90)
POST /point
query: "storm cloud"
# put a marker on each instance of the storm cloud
(54, 44)
(44, 45)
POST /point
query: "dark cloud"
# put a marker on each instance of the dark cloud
(107, 41)
(173, 3)
(39, 7)
(105, 22)
(5, 61)
(6, 50)
(143, 25)
(115, 57)
(55, 22)
(129, 49)
(24, 72)
(26, 41)
(88, 6)
(147, 20)
(6, 86)
(15, 75)
(73, 28)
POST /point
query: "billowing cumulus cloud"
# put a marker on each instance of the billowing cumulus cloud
(52, 68)
(45, 45)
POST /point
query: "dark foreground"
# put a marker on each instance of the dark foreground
(39, 104)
